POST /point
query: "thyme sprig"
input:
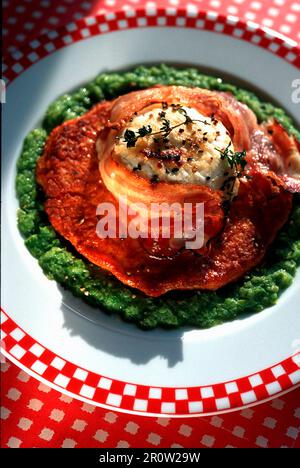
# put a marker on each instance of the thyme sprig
(235, 159)
(237, 162)
(131, 137)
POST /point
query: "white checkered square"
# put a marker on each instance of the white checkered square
(155, 393)
(248, 397)
(39, 367)
(17, 334)
(142, 22)
(87, 391)
(231, 387)
(113, 399)
(103, 27)
(104, 383)
(62, 380)
(123, 24)
(130, 390)
(207, 392)
(180, 21)
(274, 47)
(37, 349)
(273, 387)
(161, 21)
(295, 377)
(181, 394)
(195, 407)
(277, 371)
(223, 403)
(85, 32)
(200, 24)
(218, 27)
(80, 374)
(110, 16)
(255, 380)
(291, 57)
(140, 405)
(237, 32)
(256, 39)
(168, 407)
(17, 351)
(3, 317)
(58, 363)
(90, 21)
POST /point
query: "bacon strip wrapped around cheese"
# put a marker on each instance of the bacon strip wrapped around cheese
(82, 168)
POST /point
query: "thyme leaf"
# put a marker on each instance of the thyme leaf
(182, 111)
(130, 138)
(166, 128)
(145, 130)
(235, 159)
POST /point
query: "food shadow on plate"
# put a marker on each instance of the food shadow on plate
(111, 335)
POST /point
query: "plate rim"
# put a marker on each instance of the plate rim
(263, 385)
(104, 391)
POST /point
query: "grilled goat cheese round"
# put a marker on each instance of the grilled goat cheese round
(176, 144)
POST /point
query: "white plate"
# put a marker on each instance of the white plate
(183, 372)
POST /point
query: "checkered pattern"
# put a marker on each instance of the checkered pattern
(28, 19)
(125, 396)
(191, 17)
(34, 415)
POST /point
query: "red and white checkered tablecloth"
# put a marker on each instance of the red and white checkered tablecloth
(32, 414)
(27, 19)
